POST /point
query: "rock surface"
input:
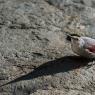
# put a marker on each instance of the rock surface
(34, 52)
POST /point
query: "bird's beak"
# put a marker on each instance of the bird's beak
(70, 36)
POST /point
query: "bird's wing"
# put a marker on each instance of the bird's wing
(89, 44)
(91, 48)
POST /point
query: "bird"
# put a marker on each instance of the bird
(82, 45)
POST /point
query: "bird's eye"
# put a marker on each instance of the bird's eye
(75, 38)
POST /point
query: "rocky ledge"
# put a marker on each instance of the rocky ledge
(35, 57)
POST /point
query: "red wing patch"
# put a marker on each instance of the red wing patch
(91, 49)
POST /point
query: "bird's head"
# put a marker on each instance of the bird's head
(76, 40)
(74, 37)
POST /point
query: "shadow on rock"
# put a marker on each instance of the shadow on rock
(63, 64)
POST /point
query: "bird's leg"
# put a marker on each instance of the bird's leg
(77, 71)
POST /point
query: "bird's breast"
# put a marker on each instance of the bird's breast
(75, 47)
